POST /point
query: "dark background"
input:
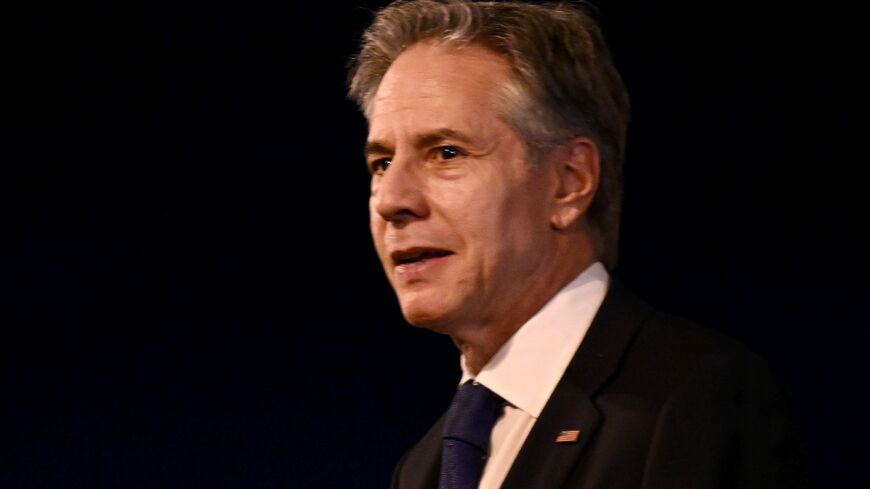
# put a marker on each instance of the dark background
(191, 298)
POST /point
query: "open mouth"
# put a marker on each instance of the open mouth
(418, 255)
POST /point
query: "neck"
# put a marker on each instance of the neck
(478, 345)
(479, 349)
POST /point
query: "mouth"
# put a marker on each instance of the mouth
(413, 256)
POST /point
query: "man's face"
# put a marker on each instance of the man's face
(459, 217)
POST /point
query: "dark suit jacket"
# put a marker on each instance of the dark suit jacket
(661, 404)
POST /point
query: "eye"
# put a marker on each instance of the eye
(449, 152)
(379, 166)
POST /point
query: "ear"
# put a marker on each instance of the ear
(578, 168)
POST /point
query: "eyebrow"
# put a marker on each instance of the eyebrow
(422, 141)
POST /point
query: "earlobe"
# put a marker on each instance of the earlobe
(564, 217)
(578, 169)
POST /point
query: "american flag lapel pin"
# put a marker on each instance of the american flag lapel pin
(568, 436)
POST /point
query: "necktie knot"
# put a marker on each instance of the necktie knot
(465, 439)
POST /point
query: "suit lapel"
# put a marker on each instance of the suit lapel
(422, 465)
(543, 463)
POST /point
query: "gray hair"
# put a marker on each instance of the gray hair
(563, 82)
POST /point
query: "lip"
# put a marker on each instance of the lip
(424, 260)
(404, 256)
(421, 268)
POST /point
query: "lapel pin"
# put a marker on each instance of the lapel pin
(568, 436)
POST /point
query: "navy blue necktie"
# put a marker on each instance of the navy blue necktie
(465, 439)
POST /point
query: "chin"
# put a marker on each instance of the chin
(436, 319)
(428, 320)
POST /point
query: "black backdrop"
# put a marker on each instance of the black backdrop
(191, 295)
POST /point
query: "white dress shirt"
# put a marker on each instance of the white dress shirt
(526, 369)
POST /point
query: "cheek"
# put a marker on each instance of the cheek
(377, 226)
(511, 227)
(483, 220)
(470, 213)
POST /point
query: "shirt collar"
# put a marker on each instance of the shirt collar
(526, 369)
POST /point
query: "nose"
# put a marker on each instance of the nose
(398, 195)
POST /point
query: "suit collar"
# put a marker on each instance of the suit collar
(543, 463)
(611, 331)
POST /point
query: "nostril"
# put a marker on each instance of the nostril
(400, 218)
(403, 213)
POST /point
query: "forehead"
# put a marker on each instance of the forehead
(437, 79)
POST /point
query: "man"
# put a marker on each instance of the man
(496, 136)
